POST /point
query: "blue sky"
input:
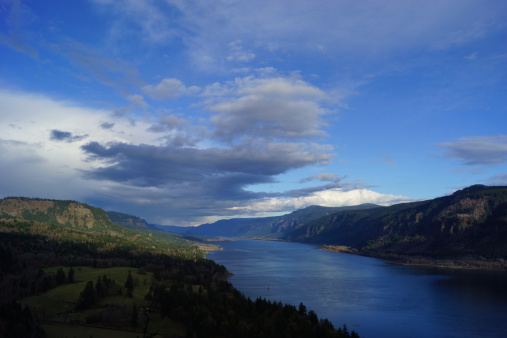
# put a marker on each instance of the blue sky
(186, 112)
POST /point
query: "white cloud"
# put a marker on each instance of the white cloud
(238, 53)
(34, 161)
(30, 118)
(280, 107)
(137, 101)
(328, 198)
(169, 89)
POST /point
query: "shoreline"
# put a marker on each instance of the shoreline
(462, 263)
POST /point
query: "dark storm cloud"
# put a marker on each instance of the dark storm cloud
(193, 183)
(148, 165)
(184, 202)
(58, 135)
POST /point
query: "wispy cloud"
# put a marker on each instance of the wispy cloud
(169, 89)
(219, 31)
(498, 179)
(477, 150)
(110, 71)
(324, 177)
(238, 53)
(388, 159)
(17, 17)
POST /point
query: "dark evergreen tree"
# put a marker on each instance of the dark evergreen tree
(129, 285)
(60, 276)
(302, 308)
(16, 321)
(133, 320)
(100, 288)
(70, 275)
(88, 297)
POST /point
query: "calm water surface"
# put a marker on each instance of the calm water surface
(371, 296)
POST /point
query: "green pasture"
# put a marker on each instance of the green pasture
(72, 331)
(56, 307)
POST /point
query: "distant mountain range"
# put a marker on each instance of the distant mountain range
(266, 227)
(471, 222)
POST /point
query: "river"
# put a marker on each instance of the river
(371, 296)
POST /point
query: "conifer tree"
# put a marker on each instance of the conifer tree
(129, 285)
(100, 287)
(70, 275)
(60, 276)
(88, 296)
(133, 320)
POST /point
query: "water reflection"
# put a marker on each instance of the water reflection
(376, 298)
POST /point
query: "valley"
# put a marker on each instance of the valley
(43, 240)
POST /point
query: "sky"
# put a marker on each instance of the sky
(187, 112)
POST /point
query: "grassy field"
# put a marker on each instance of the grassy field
(56, 307)
(73, 331)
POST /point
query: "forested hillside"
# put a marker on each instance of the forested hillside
(66, 270)
(472, 222)
(70, 214)
(128, 221)
(71, 221)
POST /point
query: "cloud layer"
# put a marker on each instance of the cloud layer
(182, 111)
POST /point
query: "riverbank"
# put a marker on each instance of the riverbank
(466, 262)
(208, 247)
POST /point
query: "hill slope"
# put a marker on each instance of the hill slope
(54, 257)
(129, 221)
(71, 221)
(472, 221)
(70, 214)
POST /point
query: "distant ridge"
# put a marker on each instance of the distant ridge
(472, 221)
(130, 221)
(268, 227)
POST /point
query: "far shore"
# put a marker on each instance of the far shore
(465, 263)
(469, 263)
